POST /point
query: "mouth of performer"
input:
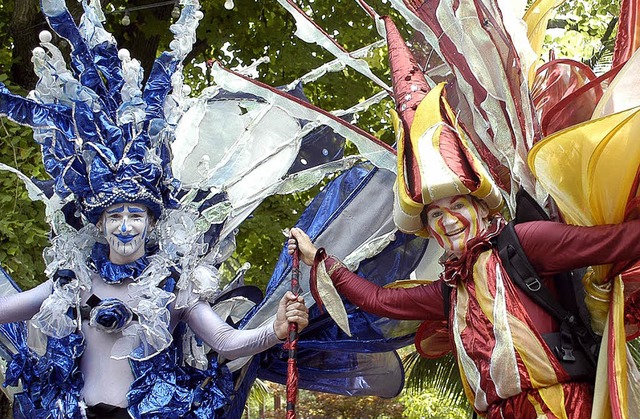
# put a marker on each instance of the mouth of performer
(125, 238)
(456, 232)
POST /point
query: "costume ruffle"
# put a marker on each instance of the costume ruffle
(51, 383)
(457, 268)
(112, 273)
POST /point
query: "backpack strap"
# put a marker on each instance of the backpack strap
(446, 299)
(566, 283)
(576, 341)
(524, 275)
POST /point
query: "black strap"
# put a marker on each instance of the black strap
(574, 332)
(93, 301)
(524, 275)
(85, 309)
(106, 411)
(446, 299)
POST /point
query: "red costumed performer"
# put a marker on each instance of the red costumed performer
(498, 333)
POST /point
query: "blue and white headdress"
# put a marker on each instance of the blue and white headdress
(104, 136)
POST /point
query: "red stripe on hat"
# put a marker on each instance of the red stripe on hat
(409, 88)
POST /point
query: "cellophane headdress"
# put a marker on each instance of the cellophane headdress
(435, 159)
(104, 136)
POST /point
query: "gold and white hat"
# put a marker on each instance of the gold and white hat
(434, 162)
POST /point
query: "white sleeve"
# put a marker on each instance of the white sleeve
(227, 341)
(24, 305)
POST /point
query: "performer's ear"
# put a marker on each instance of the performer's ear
(100, 223)
(483, 209)
(152, 223)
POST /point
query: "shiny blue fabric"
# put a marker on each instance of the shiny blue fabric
(51, 383)
(165, 388)
(110, 315)
(159, 84)
(82, 61)
(162, 389)
(328, 359)
(36, 115)
(113, 273)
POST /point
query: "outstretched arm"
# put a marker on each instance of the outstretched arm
(555, 247)
(418, 303)
(233, 343)
(24, 305)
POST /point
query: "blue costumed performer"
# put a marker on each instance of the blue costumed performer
(125, 323)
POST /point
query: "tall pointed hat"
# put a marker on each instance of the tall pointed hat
(434, 156)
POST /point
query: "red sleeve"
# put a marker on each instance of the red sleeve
(555, 247)
(418, 303)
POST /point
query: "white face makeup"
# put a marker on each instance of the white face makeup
(125, 226)
(455, 220)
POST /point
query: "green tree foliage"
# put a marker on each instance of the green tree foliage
(588, 31)
(269, 402)
(428, 404)
(440, 377)
(23, 231)
(313, 405)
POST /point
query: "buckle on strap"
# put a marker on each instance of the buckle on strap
(565, 350)
(533, 283)
(565, 354)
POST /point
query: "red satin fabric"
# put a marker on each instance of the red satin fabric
(578, 402)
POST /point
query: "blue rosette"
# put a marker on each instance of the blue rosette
(110, 315)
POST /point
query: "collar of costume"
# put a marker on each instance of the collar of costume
(112, 273)
(459, 269)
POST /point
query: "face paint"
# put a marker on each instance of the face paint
(125, 226)
(456, 220)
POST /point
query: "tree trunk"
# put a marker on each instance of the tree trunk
(25, 25)
(142, 45)
(27, 22)
(5, 407)
(277, 402)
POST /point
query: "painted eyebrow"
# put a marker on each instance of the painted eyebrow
(136, 209)
(115, 210)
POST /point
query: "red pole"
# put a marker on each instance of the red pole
(292, 345)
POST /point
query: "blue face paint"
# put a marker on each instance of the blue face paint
(125, 228)
(115, 210)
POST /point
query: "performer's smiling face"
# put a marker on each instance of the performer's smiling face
(125, 226)
(454, 221)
